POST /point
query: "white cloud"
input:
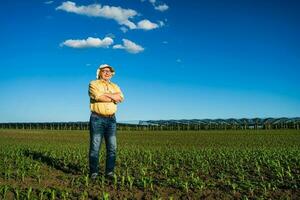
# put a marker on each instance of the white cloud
(124, 29)
(90, 42)
(161, 23)
(48, 2)
(129, 46)
(118, 14)
(146, 25)
(111, 35)
(162, 7)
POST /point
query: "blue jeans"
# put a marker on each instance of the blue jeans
(102, 127)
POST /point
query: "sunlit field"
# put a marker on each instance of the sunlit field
(153, 165)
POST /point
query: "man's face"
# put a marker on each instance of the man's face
(105, 73)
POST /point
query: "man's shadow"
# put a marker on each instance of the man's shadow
(57, 163)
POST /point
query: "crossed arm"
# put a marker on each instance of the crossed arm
(110, 97)
(116, 97)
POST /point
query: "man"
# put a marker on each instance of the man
(104, 97)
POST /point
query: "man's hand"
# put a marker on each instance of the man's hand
(116, 97)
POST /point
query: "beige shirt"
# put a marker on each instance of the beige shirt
(98, 88)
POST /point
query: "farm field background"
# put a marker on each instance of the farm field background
(244, 164)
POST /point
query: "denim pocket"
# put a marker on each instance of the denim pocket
(114, 119)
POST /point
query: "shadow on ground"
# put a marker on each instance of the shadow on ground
(57, 163)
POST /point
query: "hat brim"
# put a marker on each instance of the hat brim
(110, 67)
(102, 67)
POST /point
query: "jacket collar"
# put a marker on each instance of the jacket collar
(103, 81)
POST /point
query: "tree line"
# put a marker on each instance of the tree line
(171, 125)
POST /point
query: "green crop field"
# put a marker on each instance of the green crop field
(246, 164)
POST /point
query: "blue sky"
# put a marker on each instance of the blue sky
(173, 59)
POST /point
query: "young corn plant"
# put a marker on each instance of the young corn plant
(115, 178)
(65, 194)
(23, 173)
(144, 182)
(7, 173)
(130, 180)
(17, 193)
(86, 180)
(105, 196)
(84, 195)
(29, 193)
(185, 186)
(4, 190)
(122, 181)
(39, 178)
(41, 193)
(53, 194)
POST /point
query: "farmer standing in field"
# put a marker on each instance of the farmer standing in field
(104, 97)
